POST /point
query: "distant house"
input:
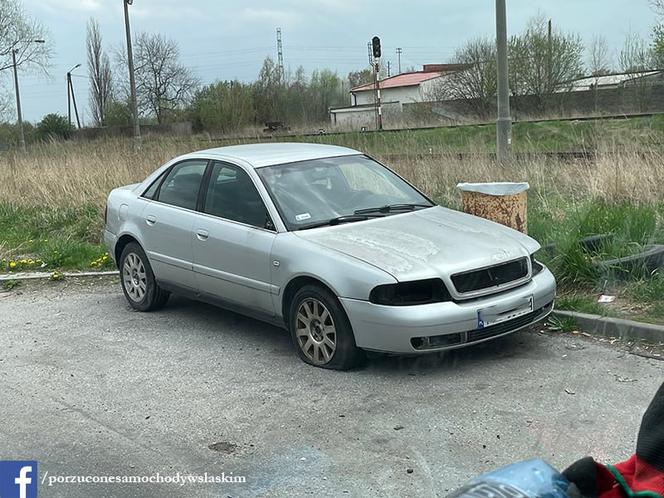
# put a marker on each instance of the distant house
(404, 88)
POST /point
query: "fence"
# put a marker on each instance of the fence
(183, 129)
(626, 100)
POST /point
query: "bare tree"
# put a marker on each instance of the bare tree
(636, 54)
(599, 60)
(18, 32)
(5, 105)
(657, 6)
(360, 77)
(638, 57)
(546, 66)
(475, 80)
(163, 83)
(99, 68)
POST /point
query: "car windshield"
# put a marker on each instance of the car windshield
(341, 189)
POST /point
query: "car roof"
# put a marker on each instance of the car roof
(269, 154)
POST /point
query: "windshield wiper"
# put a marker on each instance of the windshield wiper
(348, 218)
(392, 208)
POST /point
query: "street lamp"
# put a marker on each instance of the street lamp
(21, 135)
(71, 97)
(130, 62)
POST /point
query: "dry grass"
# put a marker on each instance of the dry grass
(74, 174)
(629, 176)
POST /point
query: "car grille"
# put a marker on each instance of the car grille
(493, 276)
(448, 340)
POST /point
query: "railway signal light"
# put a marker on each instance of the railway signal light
(375, 45)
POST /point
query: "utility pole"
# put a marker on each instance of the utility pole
(504, 123)
(21, 135)
(388, 69)
(71, 97)
(132, 80)
(399, 59)
(549, 57)
(19, 114)
(280, 56)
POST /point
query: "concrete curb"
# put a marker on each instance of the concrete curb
(37, 275)
(615, 327)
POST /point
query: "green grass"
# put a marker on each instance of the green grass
(39, 238)
(562, 323)
(10, 284)
(641, 300)
(583, 304)
(564, 224)
(550, 136)
(650, 290)
(649, 293)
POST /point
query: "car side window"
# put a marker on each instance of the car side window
(233, 196)
(152, 190)
(181, 186)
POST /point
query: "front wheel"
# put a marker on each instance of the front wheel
(321, 331)
(138, 282)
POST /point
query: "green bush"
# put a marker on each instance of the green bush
(54, 127)
(118, 114)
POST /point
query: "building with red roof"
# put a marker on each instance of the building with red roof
(405, 88)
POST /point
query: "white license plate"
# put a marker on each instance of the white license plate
(498, 314)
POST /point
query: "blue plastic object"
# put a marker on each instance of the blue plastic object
(529, 479)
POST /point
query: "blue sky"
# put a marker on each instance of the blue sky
(225, 40)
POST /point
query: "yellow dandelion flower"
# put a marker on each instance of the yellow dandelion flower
(12, 264)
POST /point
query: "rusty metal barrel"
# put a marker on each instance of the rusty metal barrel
(503, 202)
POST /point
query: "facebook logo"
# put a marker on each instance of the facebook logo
(18, 479)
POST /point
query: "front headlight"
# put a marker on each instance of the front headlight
(537, 266)
(428, 291)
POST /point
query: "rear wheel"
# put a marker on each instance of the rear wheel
(321, 331)
(138, 282)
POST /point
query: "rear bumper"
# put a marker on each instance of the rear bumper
(441, 326)
(109, 240)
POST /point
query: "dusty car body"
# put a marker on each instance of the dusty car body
(403, 278)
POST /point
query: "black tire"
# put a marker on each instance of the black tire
(595, 243)
(642, 264)
(312, 349)
(140, 287)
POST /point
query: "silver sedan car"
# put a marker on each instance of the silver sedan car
(328, 243)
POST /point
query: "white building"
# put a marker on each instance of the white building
(405, 88)
(611, 81)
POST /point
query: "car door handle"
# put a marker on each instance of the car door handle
(151, 220)
(202, 234)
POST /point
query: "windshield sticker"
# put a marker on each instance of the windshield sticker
(302, 217)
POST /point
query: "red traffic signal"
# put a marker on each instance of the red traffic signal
(375, 45)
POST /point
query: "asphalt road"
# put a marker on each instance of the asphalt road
(90, 388)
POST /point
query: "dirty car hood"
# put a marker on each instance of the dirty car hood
(426, 243)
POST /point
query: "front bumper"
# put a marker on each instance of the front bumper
(440, 326)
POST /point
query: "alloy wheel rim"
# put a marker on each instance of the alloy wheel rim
(134, 277)
(315, 331)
